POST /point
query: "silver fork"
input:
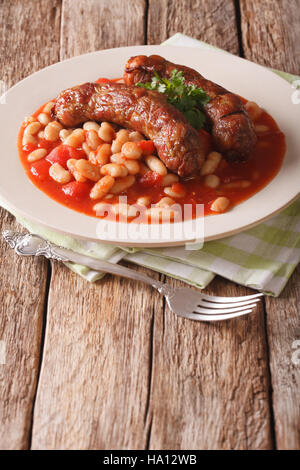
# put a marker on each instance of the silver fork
(183, 301)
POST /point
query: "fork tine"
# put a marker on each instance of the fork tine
(249, 303)
(209, 311)
(196, 317)
(214, 298)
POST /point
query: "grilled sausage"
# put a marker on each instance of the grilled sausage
(231, 127)
(178, 144)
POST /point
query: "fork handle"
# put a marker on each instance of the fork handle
(106, 266)
(29, 244)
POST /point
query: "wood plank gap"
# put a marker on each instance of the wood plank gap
(62, 16)
(151, 339)
(149, 434)
(238, 17)
(42, 343)
(146, 20)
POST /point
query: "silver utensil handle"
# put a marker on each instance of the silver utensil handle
(106, 266)
(34, 245)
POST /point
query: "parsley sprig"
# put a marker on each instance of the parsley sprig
(187, 98)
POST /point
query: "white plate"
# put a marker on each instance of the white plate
(245, 78)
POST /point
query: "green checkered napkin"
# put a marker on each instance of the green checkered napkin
(263, 257)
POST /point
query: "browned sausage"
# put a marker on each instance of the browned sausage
(231, 126)
(178, 144)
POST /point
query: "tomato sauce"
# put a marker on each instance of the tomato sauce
(257, 172)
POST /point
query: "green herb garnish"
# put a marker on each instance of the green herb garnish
(187, 98)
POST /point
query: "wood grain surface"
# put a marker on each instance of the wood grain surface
(270, 32)
(23, 50)
(271, 36)
(208, 20)
(118, 369)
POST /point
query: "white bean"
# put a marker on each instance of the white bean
(32, 128)
(47, 108)
(118, 158)
(135, 136)
(132, 166)
(29, 139)
(220, 204)
(59, 174)
(64, 133)
(106, 132)
(169, 179)
(122, 136)
(116, 146)
(76, 138)
(156, 165)
(86, 149)
(253, 110)
(92, 139)
(176, 194)
(122, 184)
(71, 164)
(102, 187)
(144, 201)
(29, 119)
(92, 158)
(44, 119)
(211, 163)
(132, 151)
(91, 125)
(52, 131)
(88, 170)
(114, 169)
(37, 155)
(212, 181)
(103, 154)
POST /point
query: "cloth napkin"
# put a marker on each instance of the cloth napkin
(263, 257)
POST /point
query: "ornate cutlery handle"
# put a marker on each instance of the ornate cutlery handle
(28, 244)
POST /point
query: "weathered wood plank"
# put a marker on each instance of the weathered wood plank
(270, 32)
(92, 25)
(24, 48)
(94, 382)
(271, 36)
(207, 20)
(217, 382)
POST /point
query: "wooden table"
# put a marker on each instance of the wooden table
(107, 365)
